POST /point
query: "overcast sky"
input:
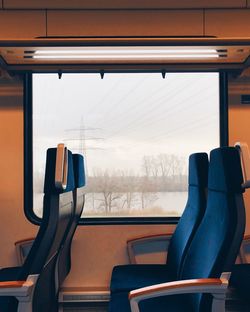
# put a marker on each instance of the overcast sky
(117, 120)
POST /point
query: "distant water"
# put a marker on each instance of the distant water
(148, 204)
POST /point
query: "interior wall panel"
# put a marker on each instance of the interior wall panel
(227, 23)
(238, 118)
(239, 132)
(125, 23)
(22, 24)
(14, 225)
(123, 4)
(92, 267)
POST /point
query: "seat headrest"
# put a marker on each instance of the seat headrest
(225, 174)
(198, 169)
(49, 181)
(79, 171)
(243, 149)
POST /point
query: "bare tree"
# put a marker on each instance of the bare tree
(128, 186)
(105, 183)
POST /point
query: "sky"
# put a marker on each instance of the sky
(117, 120)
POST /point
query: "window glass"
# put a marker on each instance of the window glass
(135, 131)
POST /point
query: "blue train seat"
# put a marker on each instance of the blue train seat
(128, 277)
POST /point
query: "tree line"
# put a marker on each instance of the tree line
(161, 173)
(119, 189)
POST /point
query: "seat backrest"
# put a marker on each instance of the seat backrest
(57, 213)
(64, 261)
(193, 213)
(217, 240)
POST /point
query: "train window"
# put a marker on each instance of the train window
(136, 132)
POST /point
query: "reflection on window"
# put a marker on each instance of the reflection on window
(136, 132)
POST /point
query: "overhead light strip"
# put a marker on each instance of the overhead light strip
(125, 51)
(125, 56)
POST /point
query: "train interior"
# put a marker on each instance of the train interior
(124, 162)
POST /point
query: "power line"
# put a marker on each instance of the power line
(138, 107)
(82, 139)
(170, 109)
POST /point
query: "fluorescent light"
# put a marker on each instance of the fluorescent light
(121, 56)
(115, 50)
(124, 53)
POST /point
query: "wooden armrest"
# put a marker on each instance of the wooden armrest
(215, 286)
(242, 252)
(25, 240)
(22, 290)
(12, 284)
(153, 236)
(23, 247)
(18, 288)
(246, 237)
(175, 286)
(144, 239)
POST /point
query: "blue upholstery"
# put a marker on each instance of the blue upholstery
(64, 262)
(240, 280)
(192, 215)
(198, 170)
(225, 174)
(35, 261)
(125, 278)
(42, 258)
(217, 240)
(216, 243)
(79, 171)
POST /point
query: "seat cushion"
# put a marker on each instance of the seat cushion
(119, 303)
(9, 274)
(8, 304)
(129, 277)
(240, 280)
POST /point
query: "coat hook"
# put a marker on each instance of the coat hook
(102, 74)
(59, 74)
(163, 73)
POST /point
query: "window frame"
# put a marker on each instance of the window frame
(28, 154)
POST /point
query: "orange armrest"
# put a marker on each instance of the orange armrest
(25, 240)
(144, 239)
(149, 237)
(207, 285)
(12, 284)
(18, 289)
(246, 237)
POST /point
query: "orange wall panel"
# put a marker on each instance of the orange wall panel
(125, 4)
(125, 23)
(14, 225)
(239, 131)
(22, 24)
(227, 23)
(92, 267)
